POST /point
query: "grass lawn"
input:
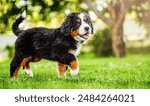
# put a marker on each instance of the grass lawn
(132, 71)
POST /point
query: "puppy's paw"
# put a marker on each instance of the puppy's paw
(28, 72)
(62, 75)
(74, 72)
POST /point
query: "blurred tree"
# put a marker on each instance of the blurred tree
(143, 16)
(10, 50)
(37, 10)
(102, 38)
(113, 14)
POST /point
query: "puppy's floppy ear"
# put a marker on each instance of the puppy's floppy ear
(92, 29)
(67, 25)
(91, 25)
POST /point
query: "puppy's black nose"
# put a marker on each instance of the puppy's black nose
(86, 28)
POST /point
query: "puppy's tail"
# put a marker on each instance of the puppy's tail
(15, 25)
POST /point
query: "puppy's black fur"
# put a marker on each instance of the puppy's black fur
(51, 44)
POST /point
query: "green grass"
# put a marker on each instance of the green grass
(130, 72)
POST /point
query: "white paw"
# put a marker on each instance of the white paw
(28, 72)
(74, 72)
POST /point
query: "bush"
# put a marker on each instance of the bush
(138, 50)
(10, 51)
(102, 43)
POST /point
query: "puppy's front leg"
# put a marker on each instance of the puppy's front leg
(74, 67)
(70, 60)
(62, 70)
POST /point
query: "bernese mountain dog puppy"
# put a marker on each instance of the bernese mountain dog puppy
(60, 44)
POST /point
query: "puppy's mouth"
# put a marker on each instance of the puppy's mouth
(85, 36)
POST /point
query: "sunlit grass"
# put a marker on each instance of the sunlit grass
(130, 72)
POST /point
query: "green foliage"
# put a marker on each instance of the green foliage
(142, 10)
(138, 50)
(102, 42)
(10, 50)
(37, 10)
(130, 72)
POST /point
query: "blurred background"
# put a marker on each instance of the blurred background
(121, 27)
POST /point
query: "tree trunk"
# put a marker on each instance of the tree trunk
(118, 42)
(117, 10)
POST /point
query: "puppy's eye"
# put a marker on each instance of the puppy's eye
(86, 19)
(78, 20)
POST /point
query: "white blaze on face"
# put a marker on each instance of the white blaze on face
(82, 30)
(83, 25)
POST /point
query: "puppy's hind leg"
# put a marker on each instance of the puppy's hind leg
(27, 69)
(26, 66)
(15, 65)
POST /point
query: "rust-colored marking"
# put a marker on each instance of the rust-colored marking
(73, 65)
(35, 59)
(15, 74)
(25, 60)
(62, 69)
(71, 51)
(74, 33)
(78, 20)
(27, 65)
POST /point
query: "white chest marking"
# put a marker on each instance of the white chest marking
(77, 51)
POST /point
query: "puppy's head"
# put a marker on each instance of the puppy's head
(78, 25)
